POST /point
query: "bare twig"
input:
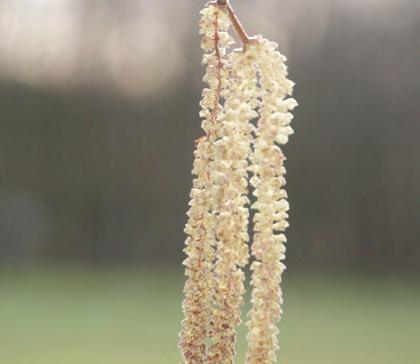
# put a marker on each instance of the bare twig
(245, 38)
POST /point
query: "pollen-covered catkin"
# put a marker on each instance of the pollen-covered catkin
(232, 149)
(243, 85)
(270, 220)
(200, 228)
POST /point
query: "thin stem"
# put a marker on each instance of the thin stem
(245, 38)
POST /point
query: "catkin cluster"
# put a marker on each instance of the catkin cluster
(245, 118)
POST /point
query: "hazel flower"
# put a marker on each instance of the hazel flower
(270, 220)
(233, 149)
(242, 85)
(201, 225)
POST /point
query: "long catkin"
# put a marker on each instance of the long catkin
(246, 118)
(201, 225)
(270, 220)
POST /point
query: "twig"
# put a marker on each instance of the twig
(245, 38)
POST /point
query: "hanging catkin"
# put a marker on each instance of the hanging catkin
(233, 150)
(205, 194)
(270, 220)
(245, 118)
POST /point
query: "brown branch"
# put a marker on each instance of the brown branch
(245, 38)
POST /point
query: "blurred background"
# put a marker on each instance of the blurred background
(99, 113)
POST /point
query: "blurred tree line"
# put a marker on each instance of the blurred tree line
(99, 173)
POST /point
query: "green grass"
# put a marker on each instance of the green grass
(125, 317)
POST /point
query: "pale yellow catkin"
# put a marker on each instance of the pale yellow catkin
(200, 228)
(243, 85)
(270, 220)
(233, 150)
